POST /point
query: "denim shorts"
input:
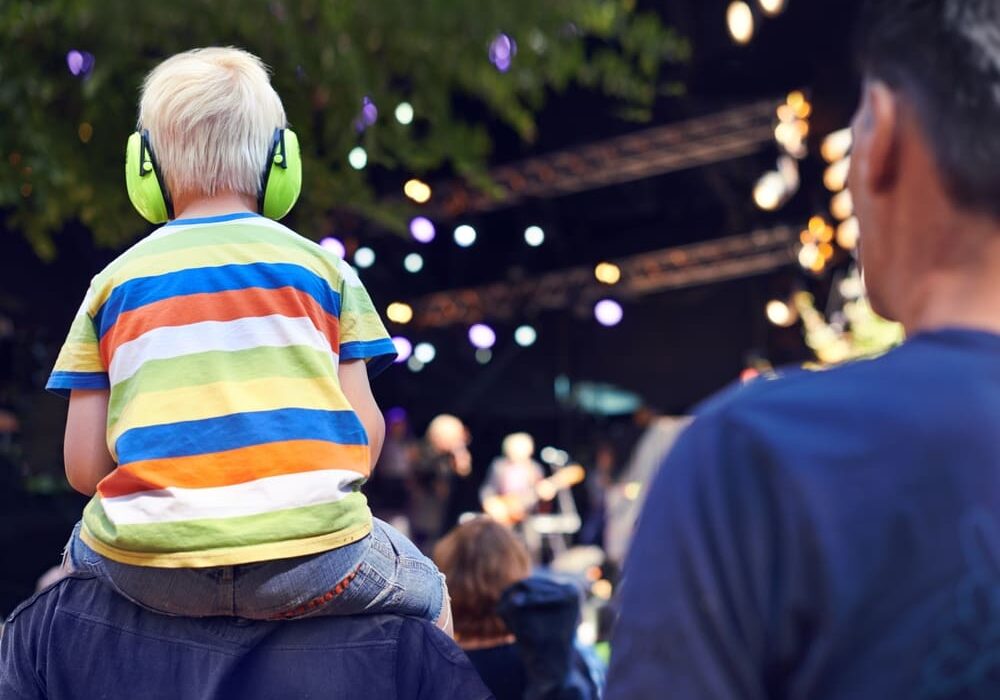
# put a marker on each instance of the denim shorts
(382, 573)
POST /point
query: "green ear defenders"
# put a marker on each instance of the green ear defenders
(280, 183)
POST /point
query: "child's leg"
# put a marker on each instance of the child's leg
(393, 577)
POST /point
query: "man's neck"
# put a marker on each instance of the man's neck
(193, 206)
(962, 294)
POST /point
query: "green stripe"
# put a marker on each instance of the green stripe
(82, 330)
(365, 326)
(195, 536)
(293, 361)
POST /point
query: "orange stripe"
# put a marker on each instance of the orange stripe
(234, 466)
(218, 306)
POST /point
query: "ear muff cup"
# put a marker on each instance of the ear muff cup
(143, 181)
(281, 182)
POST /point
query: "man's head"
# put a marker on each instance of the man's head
(211, 115)
(926, 155)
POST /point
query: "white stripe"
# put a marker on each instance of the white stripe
(266, 495)
(242, 334)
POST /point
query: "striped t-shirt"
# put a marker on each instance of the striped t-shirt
(219, 339)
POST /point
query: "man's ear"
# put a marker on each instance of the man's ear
(877, 138)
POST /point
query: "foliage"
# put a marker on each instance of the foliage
(63, 138)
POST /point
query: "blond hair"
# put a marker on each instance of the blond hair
(211, 115)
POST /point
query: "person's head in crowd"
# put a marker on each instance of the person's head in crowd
(924, 174)
(211, 115)
(480, 559)
(446, 433)
(518, 447)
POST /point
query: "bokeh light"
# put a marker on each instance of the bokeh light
(417, 190)
(358, 158)
(607, 273)
(502, 52)
(404, 113)
(483, 356)
(465, 235)
(364, 257)
(608, 312)
(425, 352)
(739, 19)
(399, 312)
(422, 229)
(482, 336)
(404, 348)
(534, 236)
(414, 263)
(525, 336)
(780, 314)
(334, 245)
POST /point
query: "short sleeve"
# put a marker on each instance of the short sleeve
(362, 334)
(79, 365)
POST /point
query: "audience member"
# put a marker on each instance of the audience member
(837, 534)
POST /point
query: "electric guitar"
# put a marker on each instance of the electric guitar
(512, 508)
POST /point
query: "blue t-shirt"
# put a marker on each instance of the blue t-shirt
(79, 640)
(826, 535)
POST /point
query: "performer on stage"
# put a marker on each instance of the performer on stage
(508, 493)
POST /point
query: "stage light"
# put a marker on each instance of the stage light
(465, 235)
(404, 113)
(364, 257)
(769, 191)
(334, 246)
(835, 177)
(836, 145)
(739, 19)
(502, 52)
(358, 158)
(607, 273)
(403, 349)
(483, 356)
(425, 352)
(399, 312)
(848, 233)
(608, 312)
(534, 236)
(772, 7)
(842, 205)
(780, 314)
(414, 364)
(482, 336)
(525, 336)
(422, 229)
(417, 190)
(413, 262)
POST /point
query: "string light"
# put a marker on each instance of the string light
(482, 336)
(608, 312)
(483, 356)
(848, 234)
(780, 314)
(404, 113)
(417, 190)
(358, 158)
(465, 235)
(413, 263)
(769, 191)
(399, 312)
(422, 229)
(842, 205)
(607, 273)
(739, 19)
(525, 336)
(335, 246)
(425, 353)
(403, 348)
(836, 145)
(772, 7)
(835, 177)
(414, 364)
(364, 257)
(534, 236)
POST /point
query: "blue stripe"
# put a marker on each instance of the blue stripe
(381, 353)
(196, 437)
(62, 383)
(223, 278)
(213, 219)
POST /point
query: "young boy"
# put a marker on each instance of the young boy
(217, 372)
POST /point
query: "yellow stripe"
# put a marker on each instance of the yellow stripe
(225, 398)
(229, 556)
(79, 357)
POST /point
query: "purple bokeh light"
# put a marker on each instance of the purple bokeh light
(334, 246)
(404, 348)
(502, 52)
(482, 336)
(422, 229)
(368, 115)
(608, 312)
(79, 62)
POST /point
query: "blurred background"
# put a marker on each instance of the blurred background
(575, 216)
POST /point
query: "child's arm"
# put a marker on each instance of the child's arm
(353, 375)
(85, 450)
